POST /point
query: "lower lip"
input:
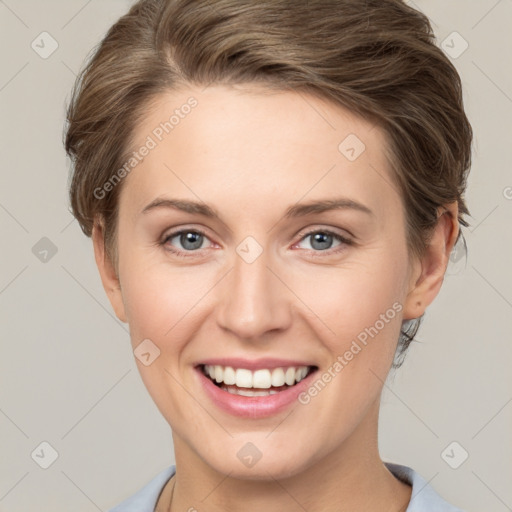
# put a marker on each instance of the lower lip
(252, 406)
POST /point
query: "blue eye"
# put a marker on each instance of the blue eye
(189, 239)
(322, 240)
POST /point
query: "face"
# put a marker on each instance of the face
(225, 261)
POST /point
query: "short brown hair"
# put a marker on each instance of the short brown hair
(377, 58)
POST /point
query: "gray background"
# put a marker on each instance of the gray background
(68, 376)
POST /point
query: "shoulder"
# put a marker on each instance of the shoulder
(423, 497)
(145, 499)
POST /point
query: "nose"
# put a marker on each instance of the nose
(253, 300)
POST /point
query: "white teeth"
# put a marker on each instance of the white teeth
(301, 372)
(259, 379)
(289, 376)
(229, 375)
(248, 392)
(278, 377)
(243, 378)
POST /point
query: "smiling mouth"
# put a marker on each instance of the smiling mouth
(262, 382)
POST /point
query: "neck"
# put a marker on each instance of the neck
(352, 477)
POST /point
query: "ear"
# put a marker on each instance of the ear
(428, 273)
(108, 273)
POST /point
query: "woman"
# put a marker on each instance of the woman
(273, 190)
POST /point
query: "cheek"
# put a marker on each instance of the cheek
(160, 299)
(346, 302)
(363, 307)
(162, 305)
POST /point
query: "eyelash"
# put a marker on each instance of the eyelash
(192, 254)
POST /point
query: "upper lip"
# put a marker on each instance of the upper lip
(253, 364)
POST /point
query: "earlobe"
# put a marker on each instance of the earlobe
(428, 275)
(108, 274)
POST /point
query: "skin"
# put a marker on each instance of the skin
(250, 154)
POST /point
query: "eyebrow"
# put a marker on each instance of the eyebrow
(297, 210)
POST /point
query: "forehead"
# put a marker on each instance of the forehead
(264, 146)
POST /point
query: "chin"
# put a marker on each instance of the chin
(243, 460)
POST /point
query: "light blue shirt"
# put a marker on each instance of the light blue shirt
(423, 497)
